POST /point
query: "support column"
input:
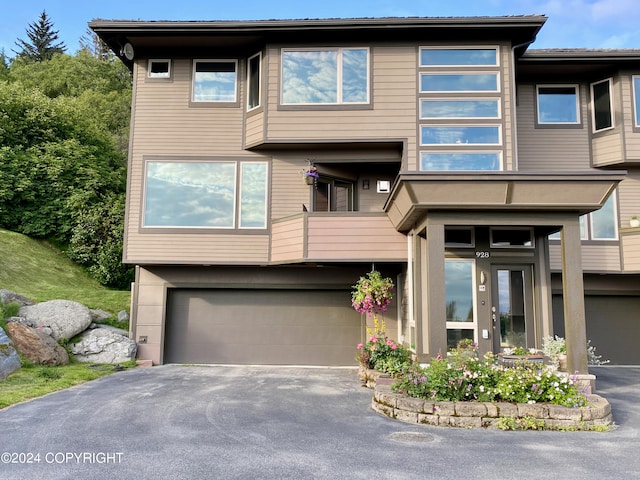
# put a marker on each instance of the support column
(573, 298)
(435, 335)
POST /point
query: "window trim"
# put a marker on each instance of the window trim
(163, 76)
(458, 99)
(462, 152)
(499, 246)
(590, 228)
(453, 245)
(465, 73)
(194, 102)
(611, 106)
(339, 90)
(462, 145)
(259, 104)
(473, 325)
(496, 48)
(541, 123)
(236, 228)
(635, 94)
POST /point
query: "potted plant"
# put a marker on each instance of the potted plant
(512, 355)
(634, 222)
(556, 349)
(310, 176)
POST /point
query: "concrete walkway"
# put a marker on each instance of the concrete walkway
(179, 422)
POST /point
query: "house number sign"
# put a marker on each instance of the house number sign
(483, 254)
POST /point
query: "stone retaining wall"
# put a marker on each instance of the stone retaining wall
(487, 414)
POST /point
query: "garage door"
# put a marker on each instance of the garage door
(267, 327)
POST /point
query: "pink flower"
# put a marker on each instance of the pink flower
(394, 346)
(359, 347)
(374, 340)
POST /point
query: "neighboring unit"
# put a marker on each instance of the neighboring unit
(493, 184)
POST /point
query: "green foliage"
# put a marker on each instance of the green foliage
(372, 294)
(383, 354)
(521, 423)
(41, 44)
(463, 376)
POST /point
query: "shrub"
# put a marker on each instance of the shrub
(383, 354)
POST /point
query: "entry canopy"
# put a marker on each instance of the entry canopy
(413, 195)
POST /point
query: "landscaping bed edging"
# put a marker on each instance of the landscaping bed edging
(488, 414)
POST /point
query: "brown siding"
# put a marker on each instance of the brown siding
(631, 250)
(607, 148)
(394, 105)
(629, 196)
(552, 148)
(255, 128)
(287, 240)
(595, 258)
(631, 134)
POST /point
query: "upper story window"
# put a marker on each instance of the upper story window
(205, 194)
(328, 76)
(460, 108)
(159, 68)
(558, 104)
(215, 80)
(599, 225)
(602, 105)
(460, 135)
(636, 99)
(433, 57)
(254, 88)
(461, 161)
(458, 82)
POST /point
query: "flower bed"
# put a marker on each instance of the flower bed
(504, 415)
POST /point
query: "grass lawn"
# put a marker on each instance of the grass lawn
(41, 272)
(36, 381)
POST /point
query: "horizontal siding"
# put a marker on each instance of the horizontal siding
(287, 240)
(629, 196)
(197, 248)
(595, 258)
(631, 251)
(631, 137)
(289, 192)
(255, 128)
(607, 148)
(550, 149)
(354, 237)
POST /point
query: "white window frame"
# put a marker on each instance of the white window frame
(590, 228)
(151, 61)
(576, 88)
(462, 145)
(338, 76)
(472, 99)
(259, 104)
(462, 152)
(469, 73)
(467, 325)
(461, 47)
(213, 60)
(636, 99)
(611, 103)
(239, 194)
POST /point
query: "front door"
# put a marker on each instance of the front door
(512, 306)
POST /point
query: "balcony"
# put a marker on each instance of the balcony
(630, 243)
(336, 237)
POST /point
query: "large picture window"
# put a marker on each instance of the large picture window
(325, 77)
(214, 80)
(205, 194)
(599, 225)
(602, 110)
(558, 104)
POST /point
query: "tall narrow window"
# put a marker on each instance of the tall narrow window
(253, 195)
(460, 301)
(602, 105)
(253, 81)
(636, 99)
(214, 81)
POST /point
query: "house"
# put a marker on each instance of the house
(494, 184)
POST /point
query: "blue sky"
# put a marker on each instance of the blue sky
(571, 24)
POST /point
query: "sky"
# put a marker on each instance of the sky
(571, 23)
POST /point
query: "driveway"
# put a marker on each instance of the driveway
(190, 422)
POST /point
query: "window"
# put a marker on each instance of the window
(460, 135)
(636, 98)
(159, 69)
(511, 237)
(325, 77)
(602, 107)
(459, 237)
(443, 161)
(214, 80)
(459, 299)
(204, 194)
(558, 104)
(459, 109)
(253, 81)
(430, 57)
(599, 225)
(459, 82)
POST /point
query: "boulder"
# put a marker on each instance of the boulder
(111, 328)
(123, 316)
(35, 345)
(99, 316)
(7, 296)
(9, 359)
(104, 346)
(65, 318)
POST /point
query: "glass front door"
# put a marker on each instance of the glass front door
(512, 309)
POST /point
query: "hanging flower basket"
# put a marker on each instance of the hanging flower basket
(310, 176)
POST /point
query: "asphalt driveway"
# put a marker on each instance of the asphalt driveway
(190, 422)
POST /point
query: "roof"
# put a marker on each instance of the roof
(167, 34)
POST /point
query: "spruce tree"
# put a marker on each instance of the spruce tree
(41, 44)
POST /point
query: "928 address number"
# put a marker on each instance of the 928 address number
(482, 254)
